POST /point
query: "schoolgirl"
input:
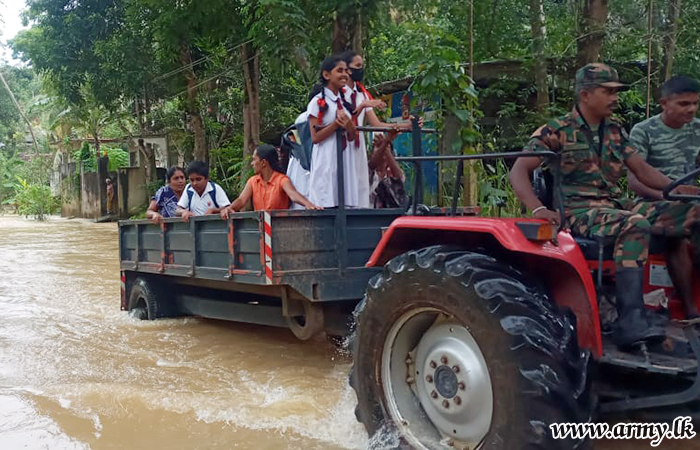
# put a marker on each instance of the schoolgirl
(327, 113)
(362, 105)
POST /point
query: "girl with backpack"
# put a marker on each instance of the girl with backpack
(329, 112)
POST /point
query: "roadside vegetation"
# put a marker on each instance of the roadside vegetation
(221, 76)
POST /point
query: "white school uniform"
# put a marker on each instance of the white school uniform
(359, 148)
(298, 175)
(200, 205)
(323, 182)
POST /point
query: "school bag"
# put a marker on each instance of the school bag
(212, 196)
(300, 151)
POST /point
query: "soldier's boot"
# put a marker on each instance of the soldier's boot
(634, 324)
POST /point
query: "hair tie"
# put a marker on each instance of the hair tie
(322, 107)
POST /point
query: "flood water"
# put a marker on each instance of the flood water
(78, 373)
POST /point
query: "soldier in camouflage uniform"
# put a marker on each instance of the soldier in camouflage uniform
(670, 142)
(593, 151)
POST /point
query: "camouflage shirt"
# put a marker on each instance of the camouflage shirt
(672, 151)
(589, 170)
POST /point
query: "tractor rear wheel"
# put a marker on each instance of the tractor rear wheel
(456, 350)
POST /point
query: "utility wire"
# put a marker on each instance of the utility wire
(19, 109)
(197, 62)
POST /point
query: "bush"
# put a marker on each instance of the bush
(117, 157)
(35, 200)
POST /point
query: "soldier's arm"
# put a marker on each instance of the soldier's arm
(519, 177)
(642, 189)
(645, 173)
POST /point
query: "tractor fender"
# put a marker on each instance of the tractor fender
(560, 265)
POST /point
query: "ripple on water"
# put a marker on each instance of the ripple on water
(82, 374)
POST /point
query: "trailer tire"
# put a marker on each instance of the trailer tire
(147, 300)
(439, 324)
(309, 324)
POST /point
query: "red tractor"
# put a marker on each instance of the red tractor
(482, 332)
(469, 332)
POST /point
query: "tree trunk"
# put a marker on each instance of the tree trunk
(347, 31)
(489, 31)
(341, 33)
(201, 152)
(592, 31)
(251, 103)
(539, 34)
(669, 41)
(96, 140)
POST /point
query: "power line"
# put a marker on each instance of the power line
(197, 62)
(211, 78)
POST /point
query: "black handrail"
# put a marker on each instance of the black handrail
(416, 160)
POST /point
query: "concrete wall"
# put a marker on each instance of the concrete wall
(90, 195)
(131, 191)
(93, 198)
(70, 191)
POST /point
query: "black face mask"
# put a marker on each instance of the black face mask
(357, 74)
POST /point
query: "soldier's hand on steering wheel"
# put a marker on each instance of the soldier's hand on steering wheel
(684, 189)
(548, 215)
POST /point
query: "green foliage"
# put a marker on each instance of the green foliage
(117, 157)
(441, 82)
(34, 200)
(228, 169)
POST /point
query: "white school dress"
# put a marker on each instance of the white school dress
(298, 175)
(323, 182)
(359, 148)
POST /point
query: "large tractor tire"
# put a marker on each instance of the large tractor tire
(454, 349)
(148, 301)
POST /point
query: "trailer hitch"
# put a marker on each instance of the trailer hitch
(678, 398)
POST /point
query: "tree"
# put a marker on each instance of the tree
(669, 37)
(592, 31)
(538, 44)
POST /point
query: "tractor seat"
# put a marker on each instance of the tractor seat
(589, 247)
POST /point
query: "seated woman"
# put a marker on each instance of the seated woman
(164, 202)
(269, 187)
(386, 178)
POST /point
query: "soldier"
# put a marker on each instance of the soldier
(670, 142)
(593, 150)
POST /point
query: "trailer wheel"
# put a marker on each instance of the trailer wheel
(147, 301)
(456, 350)
(309, 324)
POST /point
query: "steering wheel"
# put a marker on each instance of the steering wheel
(682, 180)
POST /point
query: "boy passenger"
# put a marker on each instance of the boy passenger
(201, 196)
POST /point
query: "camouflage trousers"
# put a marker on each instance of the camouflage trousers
(632, 225)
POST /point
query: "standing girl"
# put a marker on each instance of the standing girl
(362, 106)
(327, 114)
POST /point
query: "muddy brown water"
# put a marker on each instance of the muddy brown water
(78, 373)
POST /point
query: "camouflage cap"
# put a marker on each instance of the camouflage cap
(598, 74)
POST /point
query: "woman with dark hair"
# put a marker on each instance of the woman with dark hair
(164, 202)
(269, 187)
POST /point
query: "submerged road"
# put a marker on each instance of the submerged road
(78, 373)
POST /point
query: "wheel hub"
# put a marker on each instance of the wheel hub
(446, 381)
(431, 358)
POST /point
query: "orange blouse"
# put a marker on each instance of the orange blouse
(269, 195)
